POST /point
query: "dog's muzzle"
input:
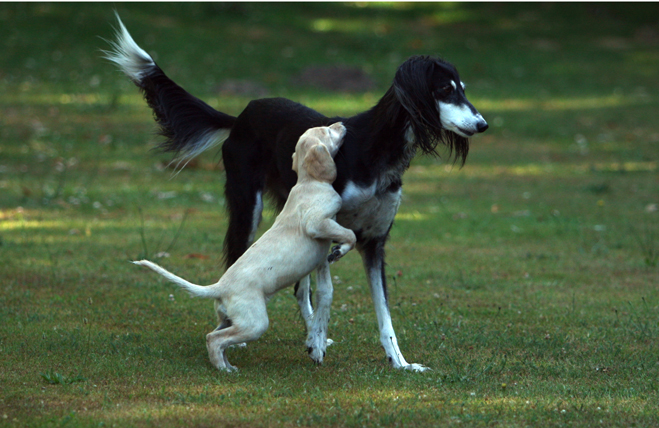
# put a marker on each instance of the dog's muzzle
(462, 119)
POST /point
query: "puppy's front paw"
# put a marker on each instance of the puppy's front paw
(335, 255)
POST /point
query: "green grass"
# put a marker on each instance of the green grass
(527, 280)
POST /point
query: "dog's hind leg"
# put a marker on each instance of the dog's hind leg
(244, 194)
(317, 340)
(372, 253)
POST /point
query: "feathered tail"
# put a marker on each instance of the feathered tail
(188, 124)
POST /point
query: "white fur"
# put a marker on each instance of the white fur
(193, 289)
(296, 244)
(374, 216)
(208, 140)
(256, 216)
(387, 334)
(205, 142)
(354, 196)
(303, 295)
(131, 59)
(459, 119)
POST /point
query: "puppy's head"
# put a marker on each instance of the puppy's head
(314, 152)
(318, 163)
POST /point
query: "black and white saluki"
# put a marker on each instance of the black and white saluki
(425, 107)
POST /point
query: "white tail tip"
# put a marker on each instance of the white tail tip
(131, 59)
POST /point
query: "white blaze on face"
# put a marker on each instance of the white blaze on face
(461, 117)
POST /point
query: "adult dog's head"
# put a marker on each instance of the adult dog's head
(315, 150)
(431, 92)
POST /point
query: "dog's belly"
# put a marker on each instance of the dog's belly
(367, 213)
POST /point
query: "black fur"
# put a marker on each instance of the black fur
(182, 118)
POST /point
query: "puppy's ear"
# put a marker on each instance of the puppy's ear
(319, 164)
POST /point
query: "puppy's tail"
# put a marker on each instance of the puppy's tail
(194, 289)
(188, 124)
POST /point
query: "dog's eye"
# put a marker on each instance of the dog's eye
(445, 90)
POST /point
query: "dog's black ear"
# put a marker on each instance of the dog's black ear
(319, 164)
(414, 86)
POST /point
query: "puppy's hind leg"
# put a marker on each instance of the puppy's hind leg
(246, 326)
(222, 319)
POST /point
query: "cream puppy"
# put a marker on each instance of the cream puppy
(297, 243)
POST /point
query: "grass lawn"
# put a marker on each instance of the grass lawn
(528, 280)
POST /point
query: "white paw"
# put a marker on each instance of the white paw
(316, 347)
(416, 368)
(229, 368)
(316, 354)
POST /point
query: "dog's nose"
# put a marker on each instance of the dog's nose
(339, 129)
(482, 126)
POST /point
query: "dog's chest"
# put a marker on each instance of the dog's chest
(367, 211)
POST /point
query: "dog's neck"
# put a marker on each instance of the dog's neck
(392, 144)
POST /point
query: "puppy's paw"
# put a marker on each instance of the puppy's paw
(229, 368)
(335, 255)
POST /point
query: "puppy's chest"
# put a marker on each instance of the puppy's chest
(367, 211)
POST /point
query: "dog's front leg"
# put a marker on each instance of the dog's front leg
(373, 256)
(303, 295)
(317, 333)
